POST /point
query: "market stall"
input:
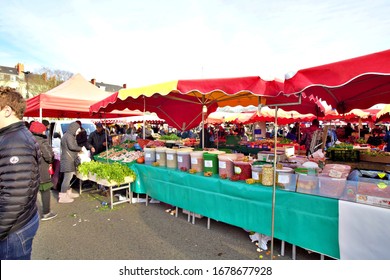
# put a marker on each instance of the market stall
(71, 99)
(308, 195)
(192, 93)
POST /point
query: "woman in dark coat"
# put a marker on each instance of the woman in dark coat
(69, 151)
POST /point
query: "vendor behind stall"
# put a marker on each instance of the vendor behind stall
(387, 140)
(99, 139)
(308, 136)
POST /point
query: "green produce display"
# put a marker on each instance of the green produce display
(111, 172)
(170, 137)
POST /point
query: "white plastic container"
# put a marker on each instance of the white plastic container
(257, 171)
(184, 159)
(171, 158)
(226, 164)
(197, 160)
(150, 155)
(284, 177)
(161, 156)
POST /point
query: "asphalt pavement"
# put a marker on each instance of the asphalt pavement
(88, 230)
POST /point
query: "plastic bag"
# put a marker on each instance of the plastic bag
(51, 169)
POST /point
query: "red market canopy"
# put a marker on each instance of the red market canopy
(384, 114)
(355, 83)
(181, 102)
(283, 117)
(70, 99)
(228, 117)
(266, 114)
(148, 118)
(355, 115)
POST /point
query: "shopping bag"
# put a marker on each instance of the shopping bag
(51, 169)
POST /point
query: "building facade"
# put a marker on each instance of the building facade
(15, 77)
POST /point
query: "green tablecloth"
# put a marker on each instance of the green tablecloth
(305, 220)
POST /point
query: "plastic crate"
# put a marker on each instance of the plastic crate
(232, 140)
(345, 155)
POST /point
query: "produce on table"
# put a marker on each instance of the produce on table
(250, 181)
(121, 155)
(155, 143)
(192, 170)
(112, 172)
(140, 160)
(235, 177)
(223, 176)
(170, 137)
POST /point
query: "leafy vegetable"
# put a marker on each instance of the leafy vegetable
(111, 172)
(170, 137)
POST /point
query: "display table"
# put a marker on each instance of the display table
(113, 187)
(364, 232)
(304, 220)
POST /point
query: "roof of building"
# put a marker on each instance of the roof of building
(108, 87)
(8, 70)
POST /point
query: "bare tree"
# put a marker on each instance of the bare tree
(45, 79)
(60, 75)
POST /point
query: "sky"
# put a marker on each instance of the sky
(139, 43)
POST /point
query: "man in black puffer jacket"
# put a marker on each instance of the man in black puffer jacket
(19, 179)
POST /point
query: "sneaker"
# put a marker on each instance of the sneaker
(72, 194)
(49, 216)
(64, 198)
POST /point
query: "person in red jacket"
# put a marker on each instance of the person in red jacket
(39, 131)
(20, 157)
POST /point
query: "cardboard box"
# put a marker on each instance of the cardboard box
(380, 159)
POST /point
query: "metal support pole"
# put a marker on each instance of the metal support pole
(203, 126)
(274, 184)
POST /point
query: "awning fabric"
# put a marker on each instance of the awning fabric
(384, 114)
(181, 102)
(366, 115)
(70, 99)
(355, 83)
(266, 114)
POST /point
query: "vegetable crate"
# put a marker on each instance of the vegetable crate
(345, 155)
